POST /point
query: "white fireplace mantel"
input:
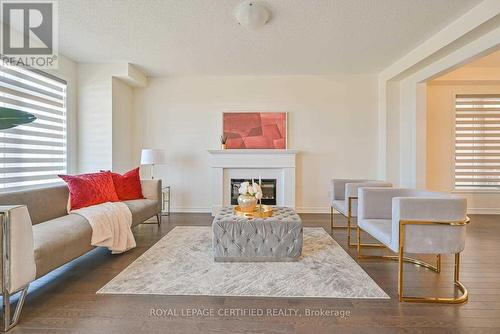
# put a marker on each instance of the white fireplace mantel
(252, 163)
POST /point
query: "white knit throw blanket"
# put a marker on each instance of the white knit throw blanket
(111, 226)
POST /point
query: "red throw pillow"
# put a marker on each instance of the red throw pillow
(128, 185)
(90, 189)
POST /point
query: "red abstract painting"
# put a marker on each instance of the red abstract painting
(255, 129)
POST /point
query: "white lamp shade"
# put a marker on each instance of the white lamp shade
(252, 14)
(152, 157)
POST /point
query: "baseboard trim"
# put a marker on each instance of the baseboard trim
(187, 209)
(483, 211)
(312, 209)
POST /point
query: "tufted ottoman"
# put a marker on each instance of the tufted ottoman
(277, 238)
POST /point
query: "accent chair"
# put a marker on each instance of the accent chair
(343, 198)
(417, 222)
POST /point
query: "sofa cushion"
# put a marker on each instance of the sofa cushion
(128, 185)
(142, 209)
(59, 241)
(90, 189)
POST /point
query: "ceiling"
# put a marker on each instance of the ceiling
(202, 37)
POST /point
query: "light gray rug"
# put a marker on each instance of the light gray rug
(181, 263)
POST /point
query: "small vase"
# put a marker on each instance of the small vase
(247, 203)
(222, 146)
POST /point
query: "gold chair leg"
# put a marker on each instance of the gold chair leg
(331, 217)
(349, 218)
(437, 300)
(400, 274)
(358, 233)
(331, 220)
(436, 268)
(349, 231)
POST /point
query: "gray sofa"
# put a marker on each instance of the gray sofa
(38, 235)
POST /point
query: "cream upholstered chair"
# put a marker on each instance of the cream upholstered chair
(343, 198)
(417, 222)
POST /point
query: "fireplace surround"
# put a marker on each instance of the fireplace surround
(250, 164)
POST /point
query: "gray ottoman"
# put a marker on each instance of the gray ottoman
(277, 238)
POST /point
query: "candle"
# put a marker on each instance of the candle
(260, 181)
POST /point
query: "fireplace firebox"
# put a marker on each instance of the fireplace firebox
(268, 190)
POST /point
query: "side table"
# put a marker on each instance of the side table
(165, 209)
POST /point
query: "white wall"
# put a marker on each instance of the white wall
(392, 141)
(332, 121)
(123, 130)
(105, 131)
(95, 135)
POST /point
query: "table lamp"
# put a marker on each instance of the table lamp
(152, 157)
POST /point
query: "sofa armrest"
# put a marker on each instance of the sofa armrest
(18, 260)
(151, 189)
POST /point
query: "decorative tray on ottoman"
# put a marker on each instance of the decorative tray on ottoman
(260, 211)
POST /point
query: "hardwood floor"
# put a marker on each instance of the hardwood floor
(65, 300)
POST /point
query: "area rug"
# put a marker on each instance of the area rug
(181, 263)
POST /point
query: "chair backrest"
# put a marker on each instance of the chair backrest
(351, 188)
(351, 191)
(436, 207)
(43, 203)
(338, 187)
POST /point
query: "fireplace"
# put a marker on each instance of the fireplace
(268, 190)
(251, 164)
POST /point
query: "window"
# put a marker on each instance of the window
(477, 141)
(32, 154)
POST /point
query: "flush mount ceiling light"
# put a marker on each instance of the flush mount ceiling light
(252, 14)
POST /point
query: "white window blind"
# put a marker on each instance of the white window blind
(32, 154)
(477, 141)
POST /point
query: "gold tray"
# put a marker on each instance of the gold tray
(261, 211)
